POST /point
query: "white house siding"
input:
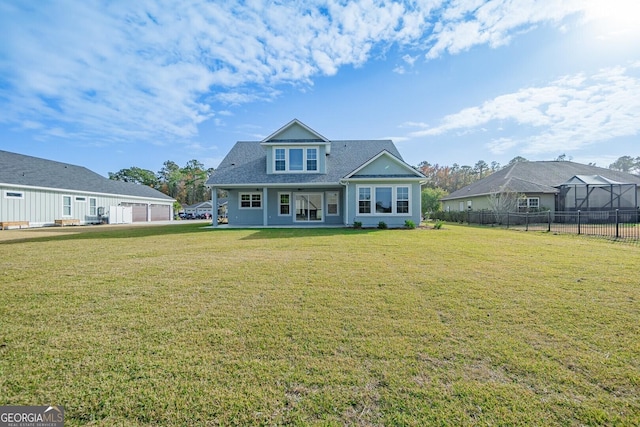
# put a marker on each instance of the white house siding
(41, 207)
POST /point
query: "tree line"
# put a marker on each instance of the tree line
(185, 184)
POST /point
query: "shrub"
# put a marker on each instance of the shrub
(438, 225)
(357, 224)
(382, 225)
(410, 224)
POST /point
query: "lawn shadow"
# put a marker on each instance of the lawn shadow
(288, 233)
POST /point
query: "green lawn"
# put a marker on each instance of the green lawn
(180, 325)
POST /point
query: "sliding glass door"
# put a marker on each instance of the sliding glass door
(309, 207)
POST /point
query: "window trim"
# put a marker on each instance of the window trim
(12, 194)
(93, 206)
(251, 200)
(394, 200)
(527, 203)
(280, 204)
(305, 159)
(368, 200)
(70, 205)
(327, 195)
(398, 200)
(276, 159)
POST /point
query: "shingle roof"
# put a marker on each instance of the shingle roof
(537, 177)
(246, 163)
(20, 170)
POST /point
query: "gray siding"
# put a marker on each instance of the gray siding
(254, 217)
(393, 220)
(239, 216)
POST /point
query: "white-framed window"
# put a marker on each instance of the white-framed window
(93, 203)
(280, 159)
(529, 203)
(333, 200)
(384, 200)
(402, 200)
(80, 199)
(10, 194)
(66, 205)
(284, 204)
(250, 200)
(295, 159)
(364, 200)
(312, 159)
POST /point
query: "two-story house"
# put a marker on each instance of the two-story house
(297, 177)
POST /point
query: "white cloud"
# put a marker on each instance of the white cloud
(467, 23)
(153, 70)
(571, 112)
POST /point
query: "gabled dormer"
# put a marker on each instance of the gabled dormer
(384, 165)
(296, 148)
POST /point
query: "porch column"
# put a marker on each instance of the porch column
(265, 215)
(214, 207)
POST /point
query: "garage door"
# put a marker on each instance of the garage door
(160, 213)
(139, 211)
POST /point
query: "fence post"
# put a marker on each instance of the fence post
(507, 219)
(548, 221)
(617, 224)
(526, 221)
(578, 221)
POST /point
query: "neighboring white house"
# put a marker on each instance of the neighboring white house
(42, 192)
(205, 207)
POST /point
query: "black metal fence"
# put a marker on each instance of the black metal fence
(618, 224)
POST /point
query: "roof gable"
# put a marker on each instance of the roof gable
(384, 164)
(294, 131)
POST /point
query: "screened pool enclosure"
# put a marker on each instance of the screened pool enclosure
(596, 193)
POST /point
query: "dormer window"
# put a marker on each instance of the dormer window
(295, 159)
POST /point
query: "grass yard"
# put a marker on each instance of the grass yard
(179, 326)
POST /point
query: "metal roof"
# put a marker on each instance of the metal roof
(594, 180)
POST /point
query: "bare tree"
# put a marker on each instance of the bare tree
(504, 202)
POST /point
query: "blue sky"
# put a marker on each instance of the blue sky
(115, 84)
